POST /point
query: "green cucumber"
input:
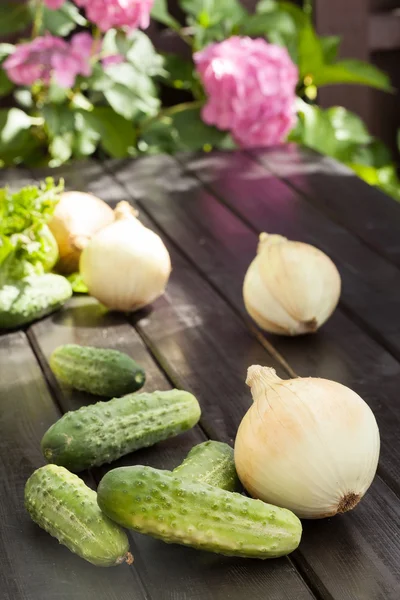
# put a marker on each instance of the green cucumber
(98, 371)
(65, 507)
(213, 463)
(181, 511)
(24, 301)
(103, 432)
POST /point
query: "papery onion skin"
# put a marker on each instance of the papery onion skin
(76, 218)
(126, 266)
(290, 288)
(309, 445)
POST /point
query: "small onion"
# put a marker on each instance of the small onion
(309, 445)
(76, 218)
(125, 265)
(290, 288)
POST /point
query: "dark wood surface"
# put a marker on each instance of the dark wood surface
(209, 210)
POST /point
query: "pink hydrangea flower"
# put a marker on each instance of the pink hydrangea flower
(251, 89)
(54, 4)
(118, 13)
(48, 56)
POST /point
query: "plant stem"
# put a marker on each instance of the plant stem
(170, 111)
(38, 18)
(308, 7)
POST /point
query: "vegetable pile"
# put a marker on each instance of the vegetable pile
(106, 252)
(307, 448)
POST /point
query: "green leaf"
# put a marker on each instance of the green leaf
(216, 10)
(300, 18)
(268, 24)
(193, 133)
(23, 97)
(57, 94)
(160, 13)
(352, 71)
(77, 284)
(15, 138)
(13, 17)
(143, 56)
(6, 50)
(311, 58)
(330, 47)
(122, 100)
(129, 104)
(59, 119)
(60, 148)
(179, 72)
(62, 21)
(26, 244)
(116, 134)
(6, 86)
(266, 6)
(348, 126)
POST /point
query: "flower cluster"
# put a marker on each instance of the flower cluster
(251, 89)
(48, 56)
(113, 13)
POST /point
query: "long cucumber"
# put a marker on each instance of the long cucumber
(103, 432)
(178, 510)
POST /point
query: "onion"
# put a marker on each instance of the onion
(76, 218)
(309, 445)
(290, 288)
(125, 265)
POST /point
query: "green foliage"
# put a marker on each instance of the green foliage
(182, 130)
(62, 21)
(341, 134)
(16, 140)
(26, 244)
(13, 17)
(160, 13)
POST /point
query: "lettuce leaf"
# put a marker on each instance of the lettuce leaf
(27, 246)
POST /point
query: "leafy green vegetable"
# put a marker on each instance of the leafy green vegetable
(27, 246)
(77, 284)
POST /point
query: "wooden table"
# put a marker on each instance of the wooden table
(210, 209)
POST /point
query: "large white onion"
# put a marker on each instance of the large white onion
(77, 217)
(309, 445)
(125, 265)
(290, 288)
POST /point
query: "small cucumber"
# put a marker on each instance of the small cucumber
(65, 507)
(213, 463)
(103, 432)
(181, 511)
(24, 301)
(98, 371)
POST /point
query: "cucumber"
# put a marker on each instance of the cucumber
(24, 301)
(98, 371)
(103, 432)
(213, 463)
(65, 507)
(181, 511)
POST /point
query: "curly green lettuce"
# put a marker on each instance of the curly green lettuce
(27, 246)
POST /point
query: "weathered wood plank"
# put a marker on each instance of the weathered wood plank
(212, 237)
(371, 284)
(33, 566)
(221, 246)
(333, 188)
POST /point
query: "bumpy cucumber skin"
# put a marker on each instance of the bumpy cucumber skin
(65, 507)
(103, 432)
(213, 463)
(99, 371)
(32, 298)
(178, 510)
